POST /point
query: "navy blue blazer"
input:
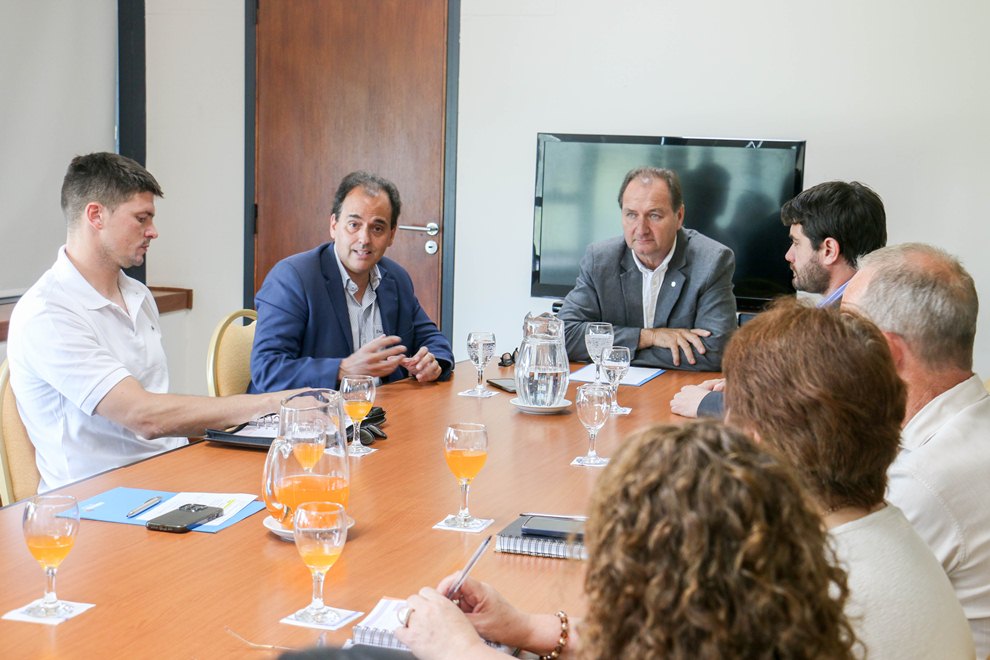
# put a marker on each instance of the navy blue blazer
(304, 331)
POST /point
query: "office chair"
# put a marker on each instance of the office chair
(20, 477)
(228, 362)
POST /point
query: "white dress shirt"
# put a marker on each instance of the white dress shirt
(652, 281)
(68, 346)
(941, 480)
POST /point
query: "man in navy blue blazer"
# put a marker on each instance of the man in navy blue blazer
(343, 308)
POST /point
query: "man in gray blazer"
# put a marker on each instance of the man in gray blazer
(666, 290)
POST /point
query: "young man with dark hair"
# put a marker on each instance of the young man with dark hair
(831, 225)
(86, 359)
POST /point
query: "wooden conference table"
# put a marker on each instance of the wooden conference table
(171, 595)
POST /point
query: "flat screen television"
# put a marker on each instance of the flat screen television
(733, 191)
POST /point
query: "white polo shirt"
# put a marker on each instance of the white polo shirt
(68, 346)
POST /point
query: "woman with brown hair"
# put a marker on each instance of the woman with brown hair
(820, 388)
(700, 546)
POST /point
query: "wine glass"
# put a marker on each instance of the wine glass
(594, 401)
(307, 462)
(615, 364)
(51, 523)
(319, 530)
(597, 338)
(465, 446)
(359, 395)
(481, 349)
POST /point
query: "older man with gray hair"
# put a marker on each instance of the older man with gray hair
(925, 303)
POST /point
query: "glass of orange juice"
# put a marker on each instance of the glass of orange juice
(319, 530)
(465, 446)
(307, 462)
(359, 396)
(50, 526)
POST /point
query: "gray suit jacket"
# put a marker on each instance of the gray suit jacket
(696, 293)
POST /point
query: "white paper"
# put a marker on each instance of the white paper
(636, 376)
(253, 431)
(231, 503)
(385, 615)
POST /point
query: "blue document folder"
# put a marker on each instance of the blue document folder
(114, 505)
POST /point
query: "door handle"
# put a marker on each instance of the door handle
(431, 228)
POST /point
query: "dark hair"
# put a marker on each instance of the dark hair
(851, 213)
(110, 179)
(819, 387)
(701, 545)
(652, 173)
(373, 184)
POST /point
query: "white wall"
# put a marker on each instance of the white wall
(195, 82)
(57, 101)
(888, 92)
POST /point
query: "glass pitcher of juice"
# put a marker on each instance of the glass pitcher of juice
(307, 461)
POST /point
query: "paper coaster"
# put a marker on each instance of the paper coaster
(20, 614)
(482, 526)
(346, 616)
(575, 462)
(483, 395)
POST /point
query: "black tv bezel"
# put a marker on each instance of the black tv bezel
(557, 291)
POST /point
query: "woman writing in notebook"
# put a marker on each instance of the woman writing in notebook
(700, 546)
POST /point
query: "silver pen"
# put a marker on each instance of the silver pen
(467, 569)
(555, 515)
(144, 507)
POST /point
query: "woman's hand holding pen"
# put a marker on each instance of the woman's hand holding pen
(435, 629)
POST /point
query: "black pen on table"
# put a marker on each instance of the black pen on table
(467, 569)
(144, 507)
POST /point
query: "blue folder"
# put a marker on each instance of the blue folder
(114, 504)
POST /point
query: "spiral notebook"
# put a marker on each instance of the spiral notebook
(378, 628)
(511, 540)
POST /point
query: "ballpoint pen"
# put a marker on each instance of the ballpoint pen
(467, 569)
(144, 507)
(555, 515)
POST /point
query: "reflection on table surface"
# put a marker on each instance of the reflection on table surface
(172, 595)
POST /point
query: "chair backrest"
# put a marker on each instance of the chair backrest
(228, 363)
(20, 476)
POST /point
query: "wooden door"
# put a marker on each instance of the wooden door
(344, 85)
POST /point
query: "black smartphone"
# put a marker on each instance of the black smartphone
(560, 528)
(506, 384)
(184, 518)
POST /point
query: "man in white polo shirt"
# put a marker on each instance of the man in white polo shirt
(86, 360)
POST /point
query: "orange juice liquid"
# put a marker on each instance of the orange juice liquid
(318, 556)
(465, 463)
(307, 453)
(298, 488)
(357, 410)
(50, 550)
